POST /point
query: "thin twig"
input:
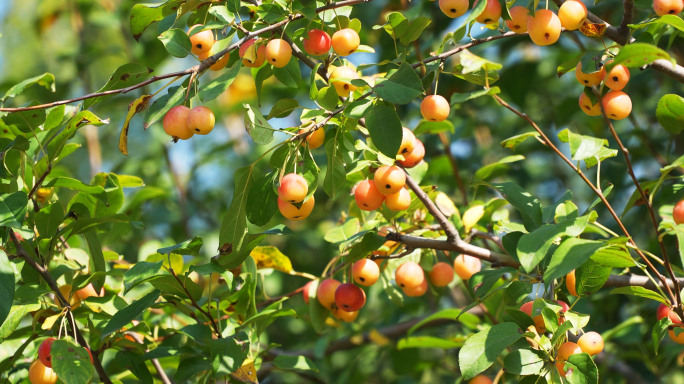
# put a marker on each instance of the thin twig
(208, 315)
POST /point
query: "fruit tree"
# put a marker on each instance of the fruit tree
(342, 191)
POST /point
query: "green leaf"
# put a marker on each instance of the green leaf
(227, 354)
(428, 342)
(6, 286)
(454, 314)
(26, 121)
(524, 362)
(188, 247)
(591, 277)
(641, 292)
(13, 208)
(672, 20)
(262, 74)
(142, 15)
(482, 349)
(659, 331)
(290, 363)
(290, 75)
(234, 224)
(532, 247)
(494, 169)
(70, 360)
(125, 76)
(328, 98)
(129, 313)
(514, 141)
(615, 256)
(283, 108)
(46, 80)
(670, 113)
(222, 14)
(262, 201)
(458, 98)
(385, 129)
(572, 253)
(482, 282)
(584, 370)
(335, 176)
(528, 206)
(637, 55)
(97, 261)
(427, 126)
(414, 30)
(401, 87)
(176, 42)
(168, 284)
(370, 242)
(217, 86)
(257, 126)
(14, 319)
(77, 185)
(139, 273)
(589, 149)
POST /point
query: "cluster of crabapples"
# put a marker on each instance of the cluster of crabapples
(292, 193)
(40, 371)
(615, 102)
(181, 122)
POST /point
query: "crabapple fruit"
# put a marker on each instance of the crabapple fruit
(40, 374)
(349, 297)
(252, 56)
(617, 78)
(409, 275)
(408, 142)
(343, 87)
(398, 201)
(435, 107)
(678, 212)
(588, 79)
(566, 350)
(668, 7)
(175, 123)
(365, 272)
(518, 21)
(201, 41)
(389, 179)
(544, 27)
(466, 266)
(491, 14)
(317, 42)
(441, 274)
(201, 120)
(345, 41)
(326, 292)
(617, 105)
(367, 195)
(293, 188)
(571, 14)
(416, 291)
(587, 106)
(278, 52)
(454, 8)
(290, 211)
(415, 156)
(591, 343)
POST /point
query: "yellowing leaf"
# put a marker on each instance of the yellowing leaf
(247, 373)
(271, 257)
(50, 321)
(472, 216)
(138, 105)
(378, 338)
(445, 204)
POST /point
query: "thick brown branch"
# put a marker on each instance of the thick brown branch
(447, 226)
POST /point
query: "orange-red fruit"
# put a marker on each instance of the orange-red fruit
(441, 274)
(44, 350)
(306, 292)
(66, 291)
(491, 13)
(317, 42)
(349, 297)
(570, 282)
(290, 211)
(89, 291)
(365, 272)
(617, 105)
(480, 379)
(466, 266)
(409, 275)
(278, 52)
(518, 21)
(345, 41)
(544, 27)
(678, 212)
(176, 122)
(454, 8)
(679, 339)
(571, 14)
(436, 107)
(588, 79)
(415, 156)
(201, 41)
(527, 307)
(389, 179)
(40, 374)
(398, 201)
(564, 352)
(315, 138)
(408, 142)
(293, 188)
(617, 78)
(201, 120)
(343, 87)
(668, 7)
(326, 292)
(416, 291)
(664, 310)
(252, 56)
(587, 107)
(367, 195)
(591, 343)
(345, 316)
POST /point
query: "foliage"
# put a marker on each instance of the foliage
(202, 275)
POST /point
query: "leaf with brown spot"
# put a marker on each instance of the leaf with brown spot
(138, 105)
